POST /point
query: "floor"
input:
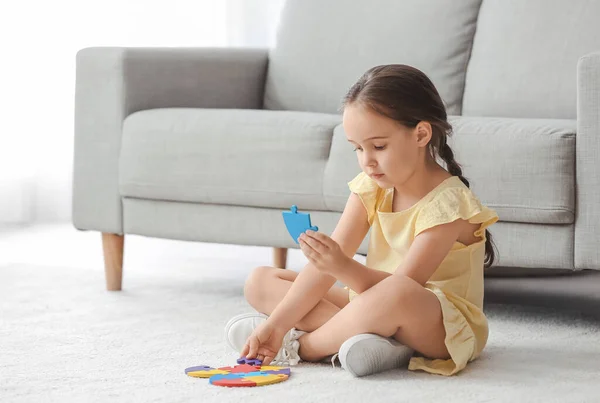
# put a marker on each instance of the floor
(64, 338)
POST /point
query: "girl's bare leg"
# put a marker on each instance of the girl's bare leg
(397, 306)
(266, 287)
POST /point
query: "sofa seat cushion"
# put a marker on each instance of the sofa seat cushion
(226, 156)
(522, 168)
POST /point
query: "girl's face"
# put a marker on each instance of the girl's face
(387, 151)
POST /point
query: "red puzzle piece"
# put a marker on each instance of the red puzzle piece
(234, 382)
(241, 369)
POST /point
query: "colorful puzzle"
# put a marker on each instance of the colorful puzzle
(246, 373)
(297, 223)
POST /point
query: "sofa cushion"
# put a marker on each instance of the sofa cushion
(226, 156)
(323, 47)
(522, 168)
(524, 58)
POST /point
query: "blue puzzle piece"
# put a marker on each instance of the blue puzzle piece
(246, 375)
(228, 376)
(297, 223)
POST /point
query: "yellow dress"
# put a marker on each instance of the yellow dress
(457, 282)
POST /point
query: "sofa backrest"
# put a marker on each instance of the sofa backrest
(511, 58)
(524, 57)
(323, 47)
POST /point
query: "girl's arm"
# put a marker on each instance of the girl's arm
(430, 248)
(359, 277)
(311, 285)
(425, 255)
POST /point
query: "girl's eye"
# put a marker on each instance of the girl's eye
(378, 148)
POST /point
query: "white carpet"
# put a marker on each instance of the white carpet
(63, 338)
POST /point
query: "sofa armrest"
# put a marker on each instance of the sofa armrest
(587, 213)
(112, 83)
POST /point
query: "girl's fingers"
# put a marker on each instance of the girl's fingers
(253, 348)
(311, 254)
(322, 238)
(267, 360)
(306, 248)
(245, 350)
(314, 243)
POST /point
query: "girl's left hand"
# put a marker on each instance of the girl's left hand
(322, 251)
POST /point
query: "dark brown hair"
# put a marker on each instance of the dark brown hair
(406, 95)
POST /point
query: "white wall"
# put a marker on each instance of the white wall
(39, 40)
(253, 22)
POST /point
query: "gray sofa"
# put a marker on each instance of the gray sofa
(211, 145)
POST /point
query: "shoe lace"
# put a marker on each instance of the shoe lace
(333, 358)
(288, 354)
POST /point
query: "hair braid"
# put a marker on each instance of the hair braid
(446, 153)
(453, 167)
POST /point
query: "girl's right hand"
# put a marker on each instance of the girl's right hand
(264, 342)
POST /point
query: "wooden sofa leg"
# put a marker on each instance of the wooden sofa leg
(280, 257)
(112, 245)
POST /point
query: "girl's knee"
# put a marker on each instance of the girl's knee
(255, 284)
(402, 286)
(397, 290)
(408, 296)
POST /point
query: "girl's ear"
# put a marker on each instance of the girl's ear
(424, 133)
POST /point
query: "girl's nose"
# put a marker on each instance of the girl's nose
(368, 160)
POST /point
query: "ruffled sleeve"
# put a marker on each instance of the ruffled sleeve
(368, 191)
(452, 204)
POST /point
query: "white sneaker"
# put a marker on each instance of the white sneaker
(240, 327)
(366, 354)
(288, 354)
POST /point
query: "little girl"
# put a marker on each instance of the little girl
(419, 297)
